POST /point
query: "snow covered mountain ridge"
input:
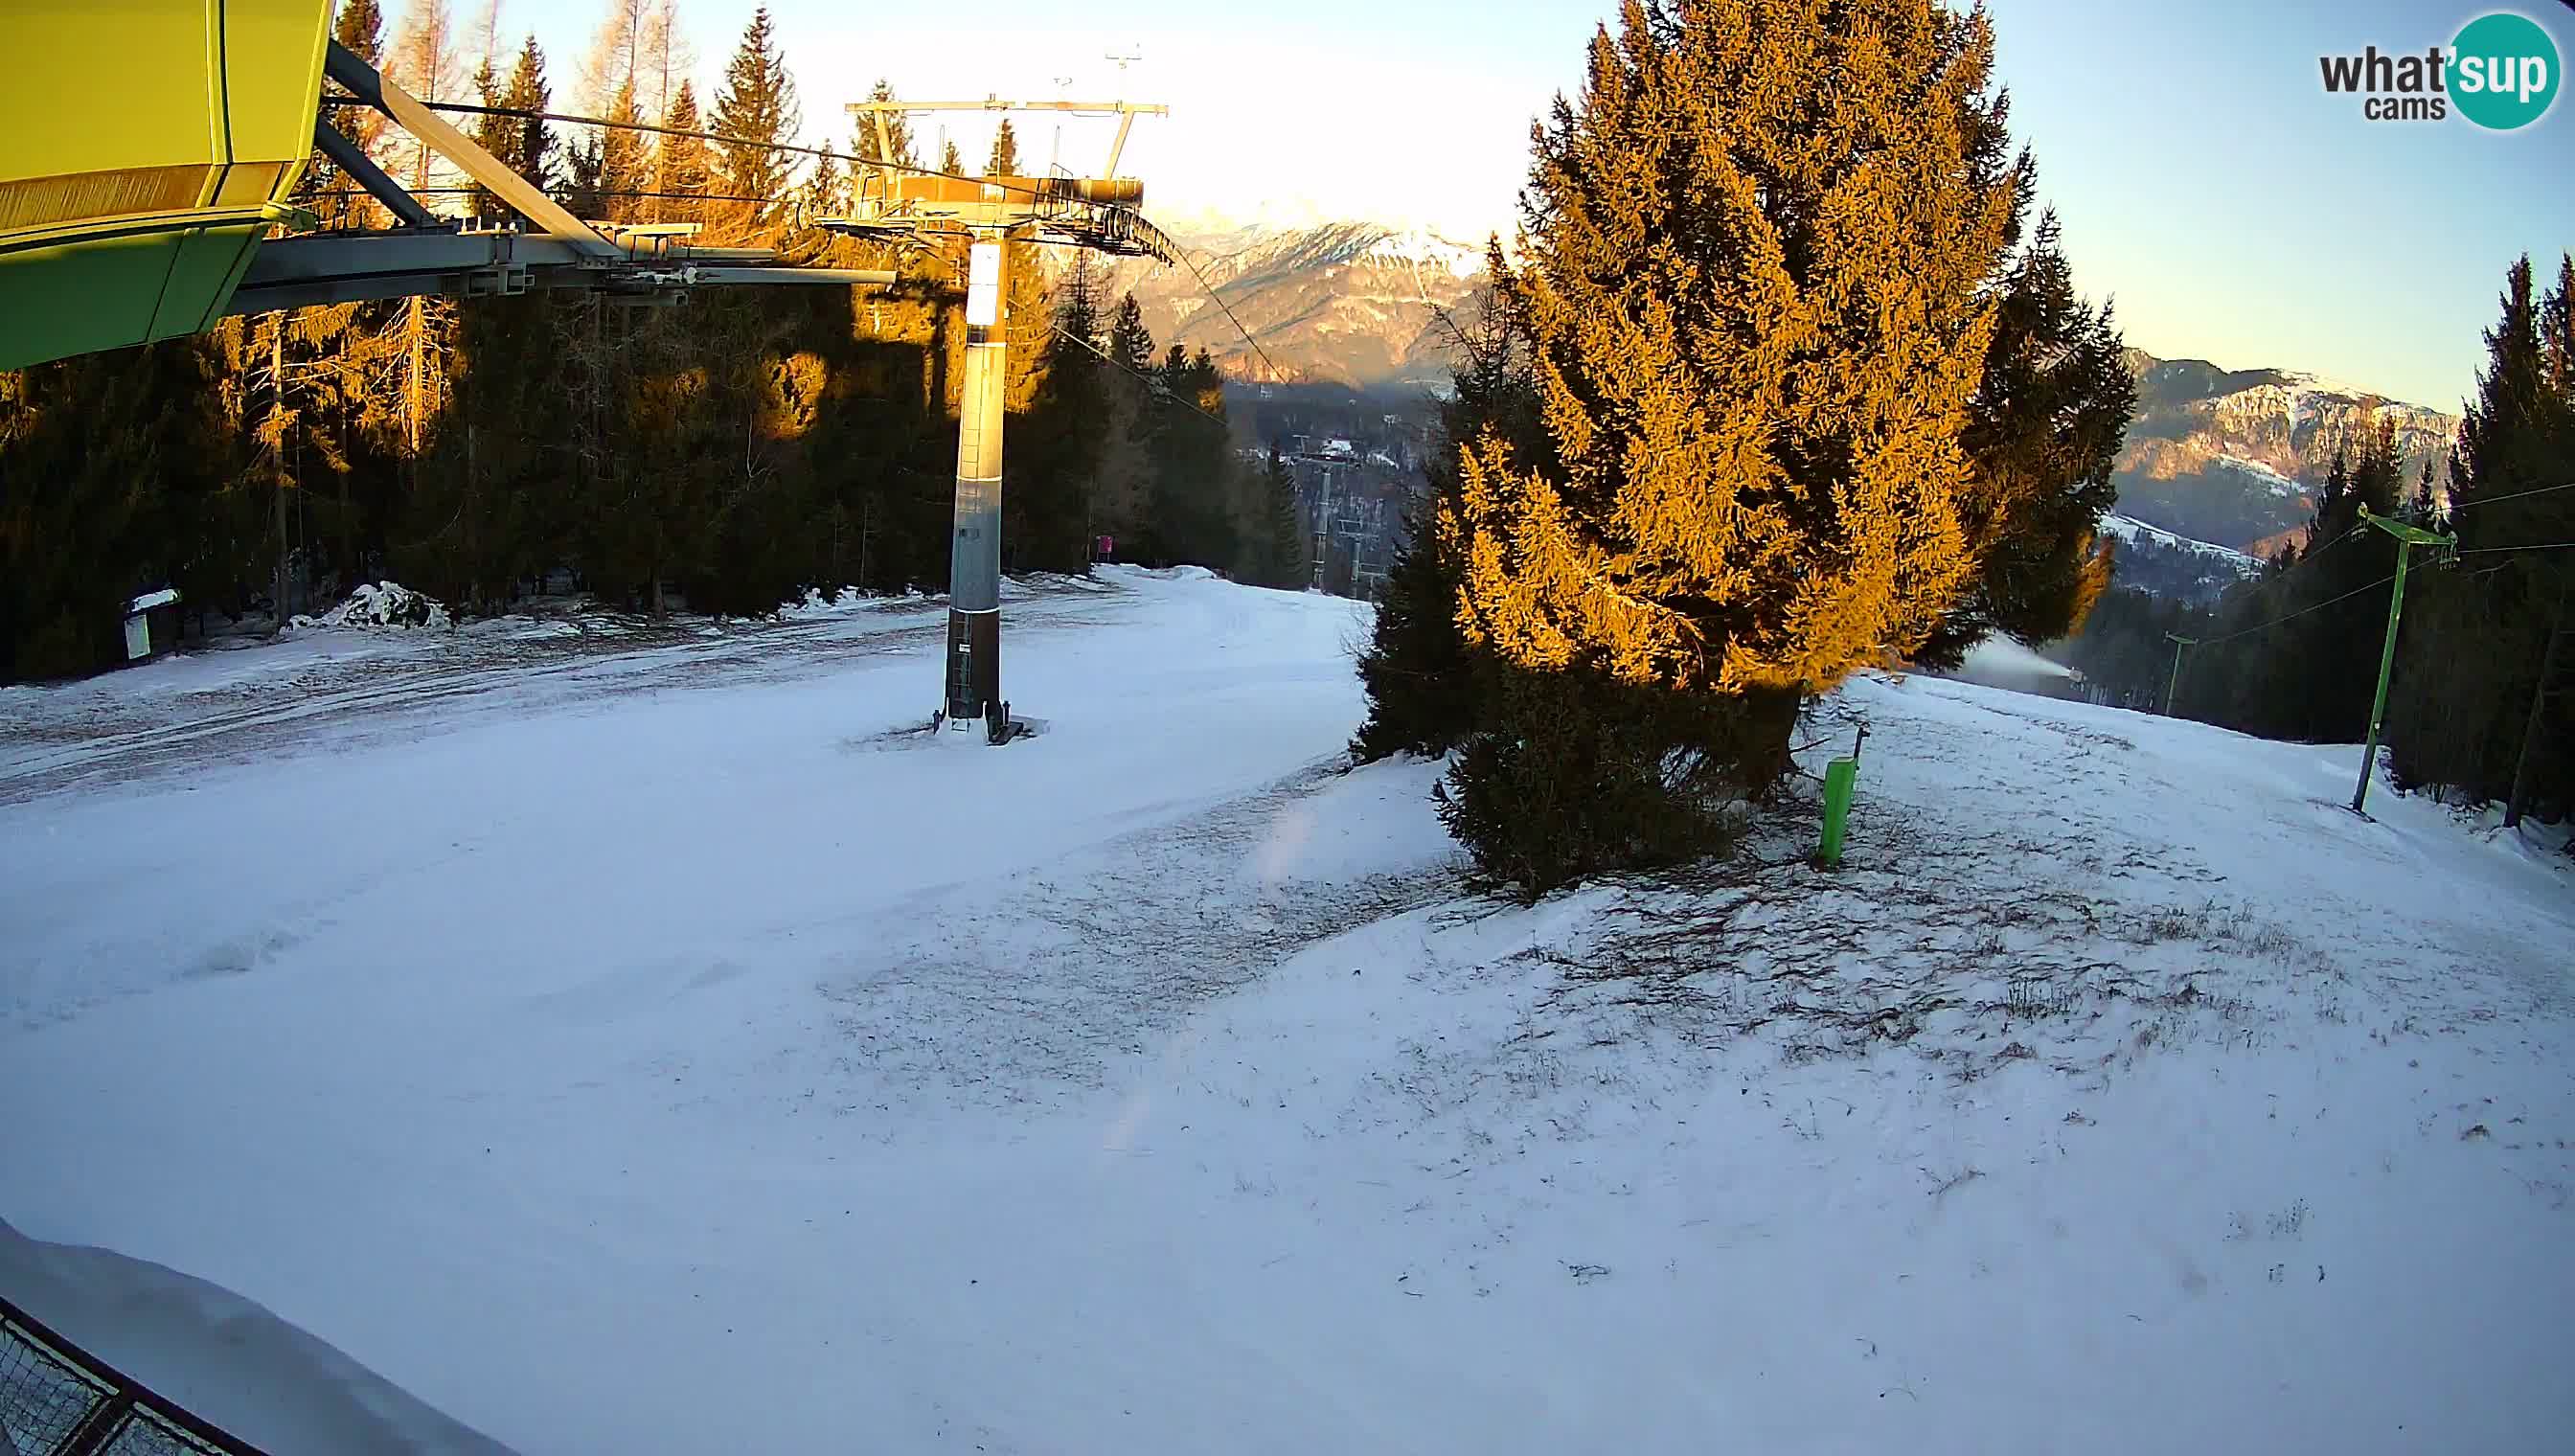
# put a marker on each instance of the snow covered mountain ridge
(1349, 302)
(2129, 529)
(2233, 456)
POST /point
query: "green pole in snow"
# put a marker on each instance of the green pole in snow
(2407, 537)
(1840, 776)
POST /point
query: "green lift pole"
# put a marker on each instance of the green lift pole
(2172, 690)
(2407, 537)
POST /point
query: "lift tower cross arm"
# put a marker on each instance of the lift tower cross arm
(877, 113)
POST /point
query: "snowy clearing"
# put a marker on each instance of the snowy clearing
(2129, 529)
(621, 1041)
(2263, 475)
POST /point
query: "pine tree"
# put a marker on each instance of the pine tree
(2506, 675)
(951, 163)
(826, 191)
(498, 135)
(1078, 311)
(1754, 466)
(1005, 161)
(2043, 435)
(681, 177)
(1417, 669)
(137, 468)
(1193, 461)
(2332, 513)
(533, 152)
(1123, 492)
(2424, 509)
(1073, 415)
(327, 190)
(1129, 343)
(1282, 552)
(863, 145)
(756, 110)
(484, 41)
(623, 161)
(584, 180)
(360, 29)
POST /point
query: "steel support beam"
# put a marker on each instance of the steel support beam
(501, 180)
(1118, 147)
(847, 277)
(362, 169)
(340, 268)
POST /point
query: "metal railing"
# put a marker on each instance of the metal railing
(57, 1399)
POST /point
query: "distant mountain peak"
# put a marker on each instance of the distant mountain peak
(2234, 456)
(2199, 377)
(1350, 301)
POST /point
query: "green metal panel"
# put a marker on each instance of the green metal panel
(73, 299)
(97, 293)
(204, 266)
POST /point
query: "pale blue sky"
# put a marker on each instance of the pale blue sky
(2236, 211)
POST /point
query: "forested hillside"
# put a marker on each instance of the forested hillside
(2479, 705)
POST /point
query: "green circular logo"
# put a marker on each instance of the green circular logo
(2503, 71)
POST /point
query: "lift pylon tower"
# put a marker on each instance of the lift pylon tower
(1098, 213)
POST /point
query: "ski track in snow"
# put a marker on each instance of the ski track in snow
(639, 1045)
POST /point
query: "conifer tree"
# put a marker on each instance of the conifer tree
(1005, 160)
(498, 135)
(827, 186)
(758, 109)
(2043, 435)
(1192, 464)
(1078, 306)
(863, 145)
(1073, 412)
(624, 162)
(951, 163)
(1129, 343)
(359, 28)
(533, 151)
(1124, 482)
(2424, 508)
(1760, 309)
(138, 463)
(2498, 661)
(1281, 553)
(584, 181)
(663, 56)
(681, 177)
(1415, 668)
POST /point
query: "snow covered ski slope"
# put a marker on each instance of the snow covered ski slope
(625, 1044)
